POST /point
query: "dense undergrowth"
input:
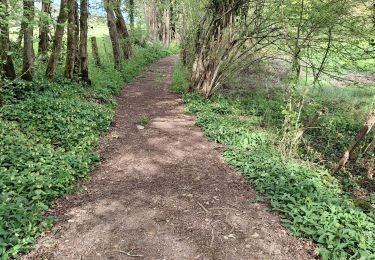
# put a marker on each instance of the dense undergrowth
(48, 134)
(311, 201)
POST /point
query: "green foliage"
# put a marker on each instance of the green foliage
(179, 79)
(143, 120)
(48, 134)
(309, 198)
(312, 202)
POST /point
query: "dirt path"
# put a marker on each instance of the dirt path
(163, 192)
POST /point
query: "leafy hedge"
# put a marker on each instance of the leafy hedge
(48, 134)
(311, 201)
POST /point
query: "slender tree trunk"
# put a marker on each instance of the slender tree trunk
(7, 68)
(131, 14)
(107, 54)
(71, 41)
(83, 41)
(172, 19)
(44, 31)
(150, 11)
(123, 31)
(57, 42)
(77, 63)
(113, 34)
(165, 27)
(19, 38)
(364, 131)
(95, 52)
(28, 51)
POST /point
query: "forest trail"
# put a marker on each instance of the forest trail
(163, 192)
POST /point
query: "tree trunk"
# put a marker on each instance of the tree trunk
(71, 41)
(172, 19)
(166, 27)
(107, 54)
(83, 41)
(113, 34)
(95, 52)
(150, 11)
(131, 14)
(77, 63)
(19, 38)
(57, 42)
(123, 31)
(364, 131)
(28, 51)
(44, 31)
(7, 67)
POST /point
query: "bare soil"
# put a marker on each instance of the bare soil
(163, 192)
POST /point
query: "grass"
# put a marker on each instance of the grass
(180, 84)
(311, 201)
(48, 135)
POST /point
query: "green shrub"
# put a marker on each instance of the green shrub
(179, 79)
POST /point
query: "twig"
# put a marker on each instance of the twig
(128, 253)
(212, 237)
(233, 209)
(206, 210)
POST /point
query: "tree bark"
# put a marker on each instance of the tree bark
(19, 38)
(83, 41)
(166, 37)
(77, 63)
(206, 69)
(71, 41)
(28, 50)
(57, 42)
(43, 32)
(150, 11)
(95, 52)
(364, 131)
(113, 34)
(7, 68)
(123, 31)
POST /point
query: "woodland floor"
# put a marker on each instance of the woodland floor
(163, 192)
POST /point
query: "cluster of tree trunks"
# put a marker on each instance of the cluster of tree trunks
(76, 58)
(76, 63)
(123, 31)
(113, 33)
(118, 32)
(208, 62)
(158, 20)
